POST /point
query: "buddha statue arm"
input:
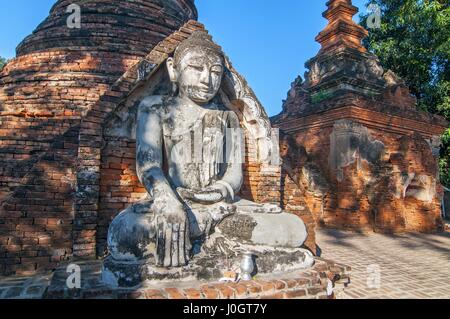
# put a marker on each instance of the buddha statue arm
(173, 245)
(149, 156)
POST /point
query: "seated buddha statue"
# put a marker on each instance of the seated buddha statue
(190, 154)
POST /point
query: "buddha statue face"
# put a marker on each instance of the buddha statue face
(197, 69)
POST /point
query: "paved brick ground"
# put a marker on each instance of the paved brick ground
(411, 265)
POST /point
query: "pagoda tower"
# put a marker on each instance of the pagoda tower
(342, 56)
(370, 158)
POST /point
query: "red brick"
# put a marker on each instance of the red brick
(154, 294)
(192, 293)
(174, 293)
(266, 286)
(290, 283)
(299, 293)
(209, 292)
(278, 295)
(240, 290)
(280, 285)
(224, 291)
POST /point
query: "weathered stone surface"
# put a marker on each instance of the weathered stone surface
(193, 186)
(346, 140)
(66, 169)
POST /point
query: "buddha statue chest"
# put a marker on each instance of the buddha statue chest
(195, 150)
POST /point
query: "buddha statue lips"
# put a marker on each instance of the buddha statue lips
(200, 94)
(199, 143)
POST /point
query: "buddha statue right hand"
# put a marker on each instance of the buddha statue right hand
(173, 244)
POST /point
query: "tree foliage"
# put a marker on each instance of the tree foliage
(2, 62)
(413, 40)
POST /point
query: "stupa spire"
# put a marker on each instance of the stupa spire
(341, 30)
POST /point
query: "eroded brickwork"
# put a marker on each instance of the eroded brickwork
(370, 158)
(369, 196)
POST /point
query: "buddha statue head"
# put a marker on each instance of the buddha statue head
(197, 68)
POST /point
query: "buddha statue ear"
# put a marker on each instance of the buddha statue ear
(173, 74)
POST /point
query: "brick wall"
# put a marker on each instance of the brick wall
(36, 218)
(119, 185)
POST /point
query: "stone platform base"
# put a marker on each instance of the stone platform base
(324, 280)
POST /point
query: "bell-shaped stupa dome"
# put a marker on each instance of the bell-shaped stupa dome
(129, 27)
(62, 68)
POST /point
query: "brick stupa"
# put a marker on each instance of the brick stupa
(46, 93)
(366, 158)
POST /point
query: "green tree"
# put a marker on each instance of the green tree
(413, 40)
(2, 62)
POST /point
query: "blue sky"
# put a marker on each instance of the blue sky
(268, 41)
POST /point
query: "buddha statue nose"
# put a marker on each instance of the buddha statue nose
(205, 77)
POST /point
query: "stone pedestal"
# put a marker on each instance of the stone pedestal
(322, 281)
(218, 257)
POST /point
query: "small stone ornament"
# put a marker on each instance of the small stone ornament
(247, 266)
(229, 276)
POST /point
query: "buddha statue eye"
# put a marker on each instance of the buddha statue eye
(196, 67)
